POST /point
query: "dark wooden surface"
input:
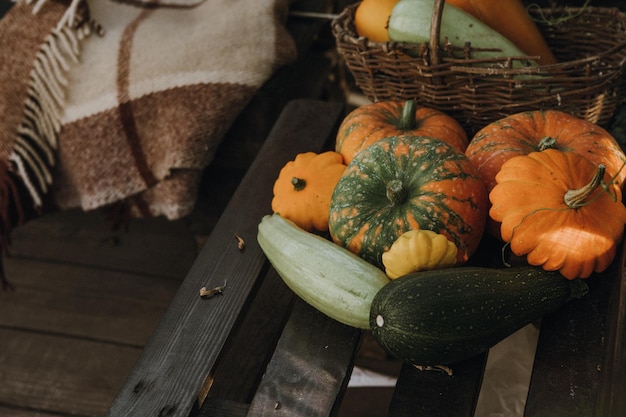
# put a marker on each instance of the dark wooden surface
(88, 299)
(73, 328)
(190, 337)
(310, 368)
(435, 393)
(578, 368)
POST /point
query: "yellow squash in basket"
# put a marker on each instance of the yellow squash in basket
(371, 17)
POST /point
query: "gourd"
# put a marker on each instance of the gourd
(510, 19)
(402, 183)
(304, 186)
(418, 250)
(526, 132)
(410, 21)
(560, 211)
(328, 277)
(443, 316)
(370, 19)
(371, 122)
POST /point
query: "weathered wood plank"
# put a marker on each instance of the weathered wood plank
(310, 368)
(20, 412)
(222, 408)
(193, 331)
(153, 246)
(238, 372)
(569, 357)
(573, 351)
(611, 398)
(85, 303)
(61, 375)
(433, 393)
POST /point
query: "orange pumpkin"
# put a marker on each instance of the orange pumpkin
(403, 183)
(527, 132)
(559, 210)
(371, 122)
(304, 187)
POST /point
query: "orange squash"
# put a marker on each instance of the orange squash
(370, 19)
(560, 211)
(526, 132)
(304, 187)
(510, 19)
(369, 123)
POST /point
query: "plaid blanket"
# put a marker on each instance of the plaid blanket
(104, 102)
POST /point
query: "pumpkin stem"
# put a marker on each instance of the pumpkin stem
(577, 198)
(396, 193)
(407, 120)
(298, 183)
(547, 143)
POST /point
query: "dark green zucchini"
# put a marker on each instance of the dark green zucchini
(444, 316)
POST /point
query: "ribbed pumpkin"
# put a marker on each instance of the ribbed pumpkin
(523, 133)
(559, 210)
(304, 186)
(405, 183)
(371, 122)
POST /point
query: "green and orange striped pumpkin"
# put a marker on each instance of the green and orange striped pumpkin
(371, 122)
(403, 183)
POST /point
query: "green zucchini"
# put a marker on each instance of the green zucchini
(330, 278)
(410, 21)
(444, 316)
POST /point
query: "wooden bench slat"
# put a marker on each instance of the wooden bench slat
(245, 357)
(433, 393)
(611, 398)
(188, 340)
(310, 368)
(573, 351)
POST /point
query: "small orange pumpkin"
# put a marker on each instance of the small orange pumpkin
(560, 210)
(371, 122)
(304, 187)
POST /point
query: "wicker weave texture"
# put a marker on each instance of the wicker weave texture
(588, 81)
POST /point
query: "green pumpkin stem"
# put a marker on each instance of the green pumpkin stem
(396, 193)
(298, 183)
(547, 143)
(577, 198)
(407, 120)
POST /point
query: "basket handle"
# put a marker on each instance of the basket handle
(435, 26)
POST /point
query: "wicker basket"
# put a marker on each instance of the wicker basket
(588, 81)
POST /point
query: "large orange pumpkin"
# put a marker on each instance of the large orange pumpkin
(523, 133)
(369, 123)
(560, 210)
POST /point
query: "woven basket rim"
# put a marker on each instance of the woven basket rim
(344, 31)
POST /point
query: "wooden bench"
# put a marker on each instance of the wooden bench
(258, 350)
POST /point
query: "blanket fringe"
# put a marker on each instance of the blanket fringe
(33, 154)
(27, 175)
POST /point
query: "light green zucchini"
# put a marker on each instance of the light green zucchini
(410, 21)
(330, 278)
